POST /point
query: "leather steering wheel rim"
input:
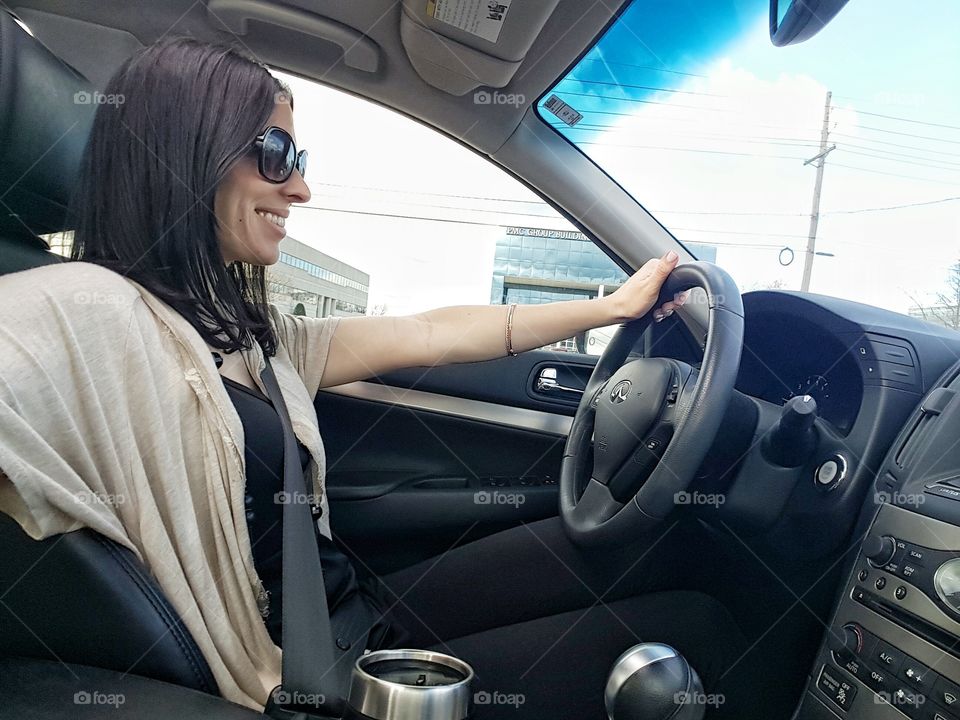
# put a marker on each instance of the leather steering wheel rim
(596, 517)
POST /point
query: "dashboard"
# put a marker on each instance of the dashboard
(785, 356)
(836, 351)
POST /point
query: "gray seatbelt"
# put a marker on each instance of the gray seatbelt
(309, 684)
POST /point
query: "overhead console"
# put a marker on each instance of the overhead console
(893, 645)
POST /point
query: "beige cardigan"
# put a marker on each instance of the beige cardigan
(114, 417)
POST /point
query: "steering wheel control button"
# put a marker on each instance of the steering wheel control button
(836, 688)
(880, 550)
(900, 593)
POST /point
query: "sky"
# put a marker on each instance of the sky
(741, 116)
(711, 140)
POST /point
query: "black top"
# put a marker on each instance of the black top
(263, 452)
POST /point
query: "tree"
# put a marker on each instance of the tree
(945, 309)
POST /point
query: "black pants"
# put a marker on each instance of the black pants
(523, 607)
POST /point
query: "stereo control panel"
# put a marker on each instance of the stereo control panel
(893, 646)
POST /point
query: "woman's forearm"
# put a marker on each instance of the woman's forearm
(468, 333)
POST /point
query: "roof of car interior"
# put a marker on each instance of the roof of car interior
(95, 36)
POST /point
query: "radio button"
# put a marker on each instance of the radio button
(915, 555)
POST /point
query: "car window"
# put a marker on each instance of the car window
(403, 219)
(720, 136)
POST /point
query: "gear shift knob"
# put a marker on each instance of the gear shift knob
(651, 681)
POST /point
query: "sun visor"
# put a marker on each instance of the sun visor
(460, 45)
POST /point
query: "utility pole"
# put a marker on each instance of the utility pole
(815, 212)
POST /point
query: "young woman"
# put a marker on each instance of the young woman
(159, 418)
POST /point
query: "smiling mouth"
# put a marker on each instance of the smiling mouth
(270, 217)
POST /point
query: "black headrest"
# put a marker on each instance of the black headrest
(46, 111)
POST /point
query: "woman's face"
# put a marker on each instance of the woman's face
(245, 201)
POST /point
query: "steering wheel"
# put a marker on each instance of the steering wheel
(651, 420)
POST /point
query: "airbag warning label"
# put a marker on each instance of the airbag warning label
(483, 18)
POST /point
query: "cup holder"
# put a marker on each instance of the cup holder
(409, 685)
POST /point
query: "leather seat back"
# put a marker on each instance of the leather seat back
(76, 597)
(81, 598)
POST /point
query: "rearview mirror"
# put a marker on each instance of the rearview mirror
(793, 21)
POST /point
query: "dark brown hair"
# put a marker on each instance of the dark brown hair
(178, 115)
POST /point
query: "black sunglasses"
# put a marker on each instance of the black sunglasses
(278, 156)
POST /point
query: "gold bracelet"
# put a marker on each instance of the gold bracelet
(509, 342)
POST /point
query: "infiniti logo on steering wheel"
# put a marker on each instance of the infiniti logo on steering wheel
(620, 391)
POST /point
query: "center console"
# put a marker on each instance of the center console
(892, 649)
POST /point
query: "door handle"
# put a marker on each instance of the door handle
(547, 383)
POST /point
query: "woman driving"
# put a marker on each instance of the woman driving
(147, 418)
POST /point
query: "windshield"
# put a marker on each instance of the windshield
(720, 135)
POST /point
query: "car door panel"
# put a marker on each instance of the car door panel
(413, 469)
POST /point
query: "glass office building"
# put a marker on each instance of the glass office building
(539, 265)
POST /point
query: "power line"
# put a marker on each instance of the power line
(659, 211)
(693, 150)
(604, 61)
(638, 100)
(896, 145)
(417, 192)
(592, 127)
(635, 116)
(892, 207)
(702, 108)
(906, 162)
(902, 119)
(640, 87)
(913, 135)
(897, 175)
